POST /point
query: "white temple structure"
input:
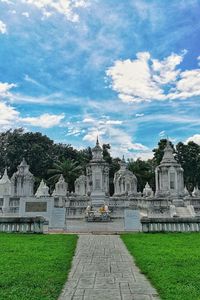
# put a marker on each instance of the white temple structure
(22, 181)
(169, 175)
(125, 182)
(172, 208)
(147, 191)
(81, 185)
(97, 173)
(5, 185)
(196, 192)
(43, 190)
(60, 187)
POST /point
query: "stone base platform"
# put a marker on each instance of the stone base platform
(116, 225)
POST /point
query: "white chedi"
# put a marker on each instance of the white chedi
(186, 193)
(81, 185)
(196, 192)
(169, 175)
(60, 187)
(125, 182)
(147, 191)
(22, 181)
(5, 185)
(43, 190)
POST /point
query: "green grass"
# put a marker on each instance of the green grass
(34, 267)
(170, 261)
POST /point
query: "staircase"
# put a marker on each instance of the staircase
(181, 211)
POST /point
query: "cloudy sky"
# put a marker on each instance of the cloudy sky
(127, 70)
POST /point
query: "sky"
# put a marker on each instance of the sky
(125, 70)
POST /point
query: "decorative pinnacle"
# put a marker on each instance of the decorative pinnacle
(168, 143)
(97, 142)
(6, 171)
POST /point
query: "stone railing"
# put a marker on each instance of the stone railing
(23, 224)
(170, 224)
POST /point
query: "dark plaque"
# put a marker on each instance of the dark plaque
(36, 206)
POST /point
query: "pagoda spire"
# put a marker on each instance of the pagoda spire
(97, 142)
(168, 156)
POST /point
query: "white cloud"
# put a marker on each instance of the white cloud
(6, 1)
(3, 27)
(5, 88)
(64, 7)
(102, 121)
(74, 132)
(119, 139)
(162, 133)
(139, 115)
(88, 120)
(143, 155)
(31, 80)
(8, 116)
(25, 14)
(147, 79)
(195, 138)
(45, 121)
(114, 122)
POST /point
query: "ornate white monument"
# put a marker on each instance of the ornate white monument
(196, 192)
(169, 175)
(97, 177)
(5, 185)
(125, 182)
(43, 190)
(22, 181)
(147, 191)
(60, 187)
(81, 185)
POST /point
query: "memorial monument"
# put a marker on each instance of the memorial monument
(97, 177)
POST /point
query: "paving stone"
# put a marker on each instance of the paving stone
(141, 297)
(86, 283)
(105, 294)
(79, 292)
(103, 269)
(77, 298)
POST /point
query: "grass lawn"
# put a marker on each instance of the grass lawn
(34, 267)
(170, 261)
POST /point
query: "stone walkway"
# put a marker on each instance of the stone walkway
(103, 269)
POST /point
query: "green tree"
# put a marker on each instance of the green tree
(189, 158)
(70, 170)
(113, 166)
(34, 147)
(144, 171)
(84, 156)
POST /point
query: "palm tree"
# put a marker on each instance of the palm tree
(68, 168)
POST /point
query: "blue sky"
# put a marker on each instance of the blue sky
(126, 70)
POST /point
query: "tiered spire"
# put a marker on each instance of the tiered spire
(5, 177)
(168, 156)
(97, 151)
(97, 142)
(122, 163)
